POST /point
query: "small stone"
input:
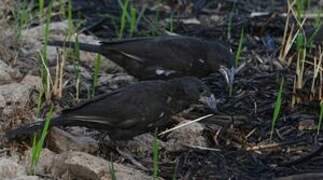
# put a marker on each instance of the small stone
(191, 135)
(79, 165)
(10, 169)
(45, 163)
(307, 124)
(62, 141)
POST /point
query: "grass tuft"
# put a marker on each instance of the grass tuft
(22, 17)
(123, 18)
(38, 144)
(44, 71)
(320, 118)
(129, 19)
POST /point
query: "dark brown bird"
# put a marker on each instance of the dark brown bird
(132, 110)
(164, 57)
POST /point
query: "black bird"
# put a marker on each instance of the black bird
(164, 57)
(130, 111)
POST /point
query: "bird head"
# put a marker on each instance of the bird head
(195, 90)
(221, 59)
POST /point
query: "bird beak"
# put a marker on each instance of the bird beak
(210, 101)
(228, 74)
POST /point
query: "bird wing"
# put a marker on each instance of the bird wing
(169, 52)
(90, 101)
(123, 108)
(96, 121)
(123, 41)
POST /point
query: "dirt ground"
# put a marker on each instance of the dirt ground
(238, 137)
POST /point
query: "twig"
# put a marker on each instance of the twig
(302, 176)
(273, 145)
(202, 148)
(304, 158)
(185, 124)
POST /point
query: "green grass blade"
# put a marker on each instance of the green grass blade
(62, 8)
(70, 19)
(39, 102)
(38, 145)
(41, 8)
(155, 158)
(320, 118)
(77, 64)
(277, 108)
(112, 171)
(240, 47)
(133, 20)
(123, 18)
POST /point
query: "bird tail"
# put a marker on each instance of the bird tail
(30, 129)
(82, 46)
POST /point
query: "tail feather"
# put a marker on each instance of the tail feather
(30, 129)
(83, 46)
